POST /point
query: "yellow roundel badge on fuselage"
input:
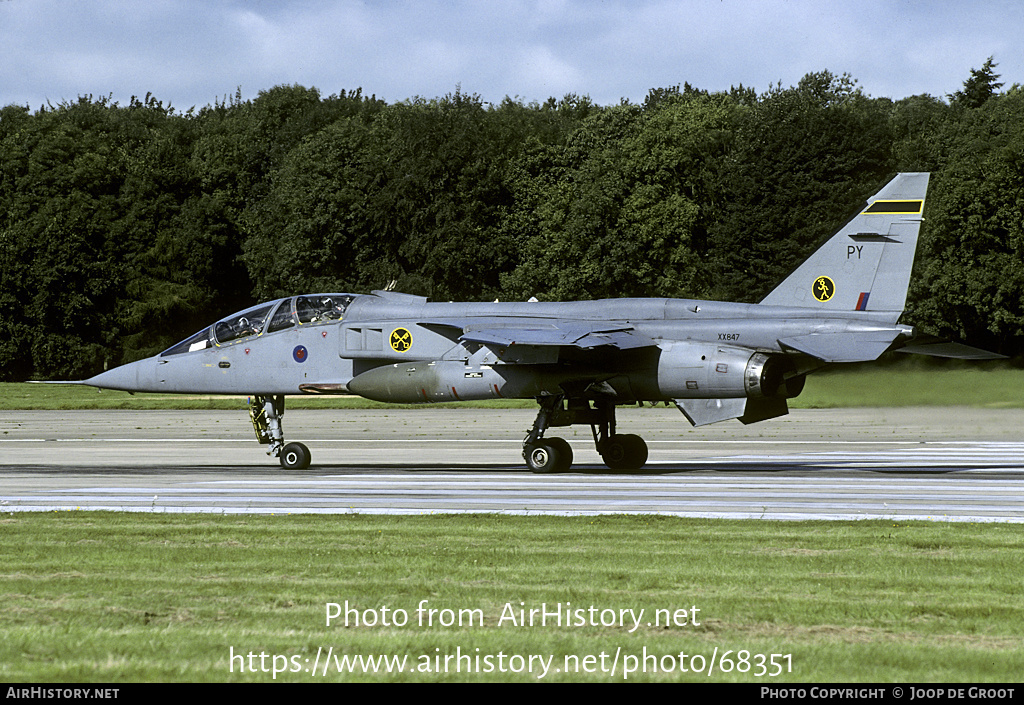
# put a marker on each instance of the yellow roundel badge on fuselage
(401, 340)
(823, 289)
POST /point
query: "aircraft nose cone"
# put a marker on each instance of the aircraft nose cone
(133, 377)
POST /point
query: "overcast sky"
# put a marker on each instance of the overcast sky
(193, 52)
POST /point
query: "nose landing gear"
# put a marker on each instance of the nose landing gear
(266, 413)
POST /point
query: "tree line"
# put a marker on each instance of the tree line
(125, 228)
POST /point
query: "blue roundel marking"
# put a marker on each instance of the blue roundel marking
(299, 354)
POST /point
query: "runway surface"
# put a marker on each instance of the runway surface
(949, 464)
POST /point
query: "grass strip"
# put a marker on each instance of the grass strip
(992, 386)
(127, 597)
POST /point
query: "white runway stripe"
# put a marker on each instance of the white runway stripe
(941, 463)
(706, 487)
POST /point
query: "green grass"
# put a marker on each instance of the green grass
(91, 596)
(907, 383)
(994, 386)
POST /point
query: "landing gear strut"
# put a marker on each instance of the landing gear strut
(266, 413)
(547, 454)
(620, 451)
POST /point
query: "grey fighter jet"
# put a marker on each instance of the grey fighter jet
(715, 361)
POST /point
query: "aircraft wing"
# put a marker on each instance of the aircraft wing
(862, 347)
(842, 347)
(577, 334)
(941, 347)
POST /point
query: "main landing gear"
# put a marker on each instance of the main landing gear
(266, 413)
(620, 451)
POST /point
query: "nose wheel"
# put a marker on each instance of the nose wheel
(266, 413)
(295, 456)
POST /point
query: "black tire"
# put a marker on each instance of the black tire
(295, 456)
(624, 451)
(548, 455)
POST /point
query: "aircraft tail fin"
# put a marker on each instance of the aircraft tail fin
(866, 265)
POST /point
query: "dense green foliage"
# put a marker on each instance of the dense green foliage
(125, 228)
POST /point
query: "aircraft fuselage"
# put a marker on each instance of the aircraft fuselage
(383, 330)
(715, 360)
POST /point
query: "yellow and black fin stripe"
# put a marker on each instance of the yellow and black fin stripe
(896, 207)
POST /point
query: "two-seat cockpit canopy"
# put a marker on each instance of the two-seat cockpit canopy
(266, 318)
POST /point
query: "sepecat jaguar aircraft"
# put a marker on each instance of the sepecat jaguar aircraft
(579, 360)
